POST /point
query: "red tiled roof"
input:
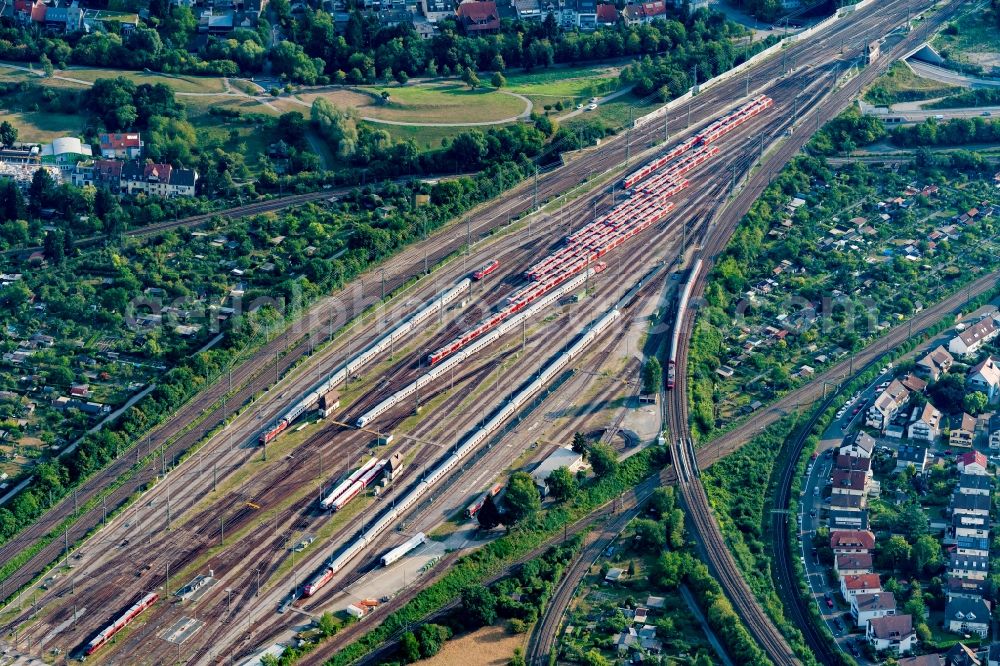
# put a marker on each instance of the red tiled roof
(479, 15)
(853, 462)
(120, 141)
(892, 626)
(852, 480)
(863, 582)
(607, 13)
(852, 561)
(972, 457)
(38, 12)
(852, 539)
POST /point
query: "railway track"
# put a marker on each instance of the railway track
(785, 91)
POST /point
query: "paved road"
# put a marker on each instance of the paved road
(951, 77)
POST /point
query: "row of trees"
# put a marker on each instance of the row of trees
(366, 52)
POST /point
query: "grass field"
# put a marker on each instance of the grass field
(489, 646)
(900, 84)
(40, 127)
(569, 86)
(975, 34)
(616, 113)
(185, 84)
(444, 103)
(426, 138)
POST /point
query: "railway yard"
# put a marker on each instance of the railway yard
(461, 367)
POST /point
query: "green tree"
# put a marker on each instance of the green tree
(470, 78)
(431, 637)
(338, 126)
(327, 624)
(498, 80)
(480, 605)
(927, 555)
(580, 443)
(603, 459)
(8, 134)
(662, 501)
(522, 499)
(975, 402)
(651, 535)
(561, 484)
(676, 528)
(652, 376)
(55, 249)
(410, 647)
(669, 570)
(897, 552)
(518, 658)
(46, 64)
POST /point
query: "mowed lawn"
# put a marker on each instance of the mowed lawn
(180, 83)
(444, 103)
(41, 127)
(426, 138)
(573, 85)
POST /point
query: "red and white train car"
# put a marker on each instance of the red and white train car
(101, 639)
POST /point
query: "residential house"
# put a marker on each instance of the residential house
(852, 564)
(854, 463)
(913, 454)
(860, 445)
(969, 588)
(967, 616)
(572, 14)
(437, 10)
(841, 519)
(971, 545)
(935, 363)
(849, 483)
(984, 377)
(972, 462)
(964, 525)
(974, 484)
(851, 586)
(913, 383)
(963, 430)
(925, 424)
(479, 16)
(645, 12)
(851, 503)
(528, 10)
(970, 505)
(851, 541)
(607, 14)
(971, 340)
(969, 566)
(127, 146)
(892, 633)
(867, 607)
(162, 180)
(994, 431)
(961, 654)
(105, 174)
(887, 405)
(922, 660)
